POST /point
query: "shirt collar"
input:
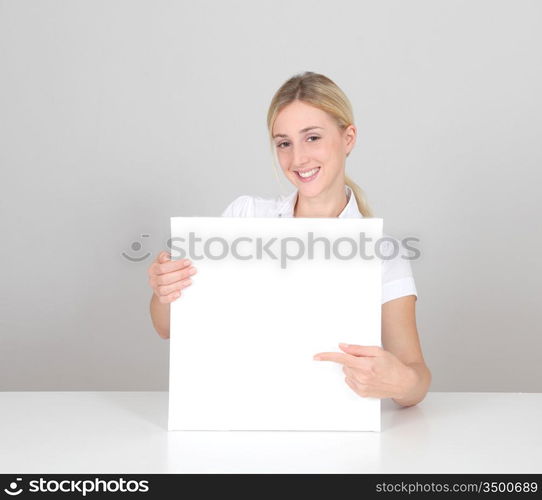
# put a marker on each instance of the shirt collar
(286, 207)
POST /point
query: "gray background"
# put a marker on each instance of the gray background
(116, 115)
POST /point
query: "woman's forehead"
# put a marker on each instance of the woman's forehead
(296, 119)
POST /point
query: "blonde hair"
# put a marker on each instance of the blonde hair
(321, 92)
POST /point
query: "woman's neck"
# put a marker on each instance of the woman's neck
(330, 205)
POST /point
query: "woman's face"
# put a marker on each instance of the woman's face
(319, 152)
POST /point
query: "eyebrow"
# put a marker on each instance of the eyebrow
(306, 129)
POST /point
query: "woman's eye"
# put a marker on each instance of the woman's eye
(286, 142)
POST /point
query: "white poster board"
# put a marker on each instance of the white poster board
(243, 335)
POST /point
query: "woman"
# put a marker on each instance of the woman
(310, 123)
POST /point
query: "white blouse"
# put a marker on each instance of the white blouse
(397, 278)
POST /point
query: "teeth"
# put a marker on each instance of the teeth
(309, 173)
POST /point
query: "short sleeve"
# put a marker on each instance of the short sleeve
(242, 206)
(397, 278)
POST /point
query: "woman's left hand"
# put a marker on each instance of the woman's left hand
(372, 371)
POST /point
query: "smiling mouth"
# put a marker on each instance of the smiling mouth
(308, 175)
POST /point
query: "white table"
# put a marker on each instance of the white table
(126, 432)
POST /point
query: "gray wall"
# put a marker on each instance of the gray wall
(116, 115)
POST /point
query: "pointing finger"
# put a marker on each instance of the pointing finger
(338, 357)
(361, 350)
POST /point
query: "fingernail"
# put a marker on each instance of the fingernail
(344, 345)
(192, 271)
(317, 358)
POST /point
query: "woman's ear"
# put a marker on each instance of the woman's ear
(351, 135)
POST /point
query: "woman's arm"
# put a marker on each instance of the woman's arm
(400, 337)
(160, 317)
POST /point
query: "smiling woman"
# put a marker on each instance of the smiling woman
(312, 132)
(311, 126)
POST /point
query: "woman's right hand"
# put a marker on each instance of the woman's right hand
(168, 278)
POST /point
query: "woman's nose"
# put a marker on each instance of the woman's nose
(300, 156)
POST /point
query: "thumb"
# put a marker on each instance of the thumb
(361, 350)
(164, 257)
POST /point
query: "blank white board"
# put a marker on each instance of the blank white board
(243, 335)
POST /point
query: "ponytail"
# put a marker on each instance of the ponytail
(360, 197)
